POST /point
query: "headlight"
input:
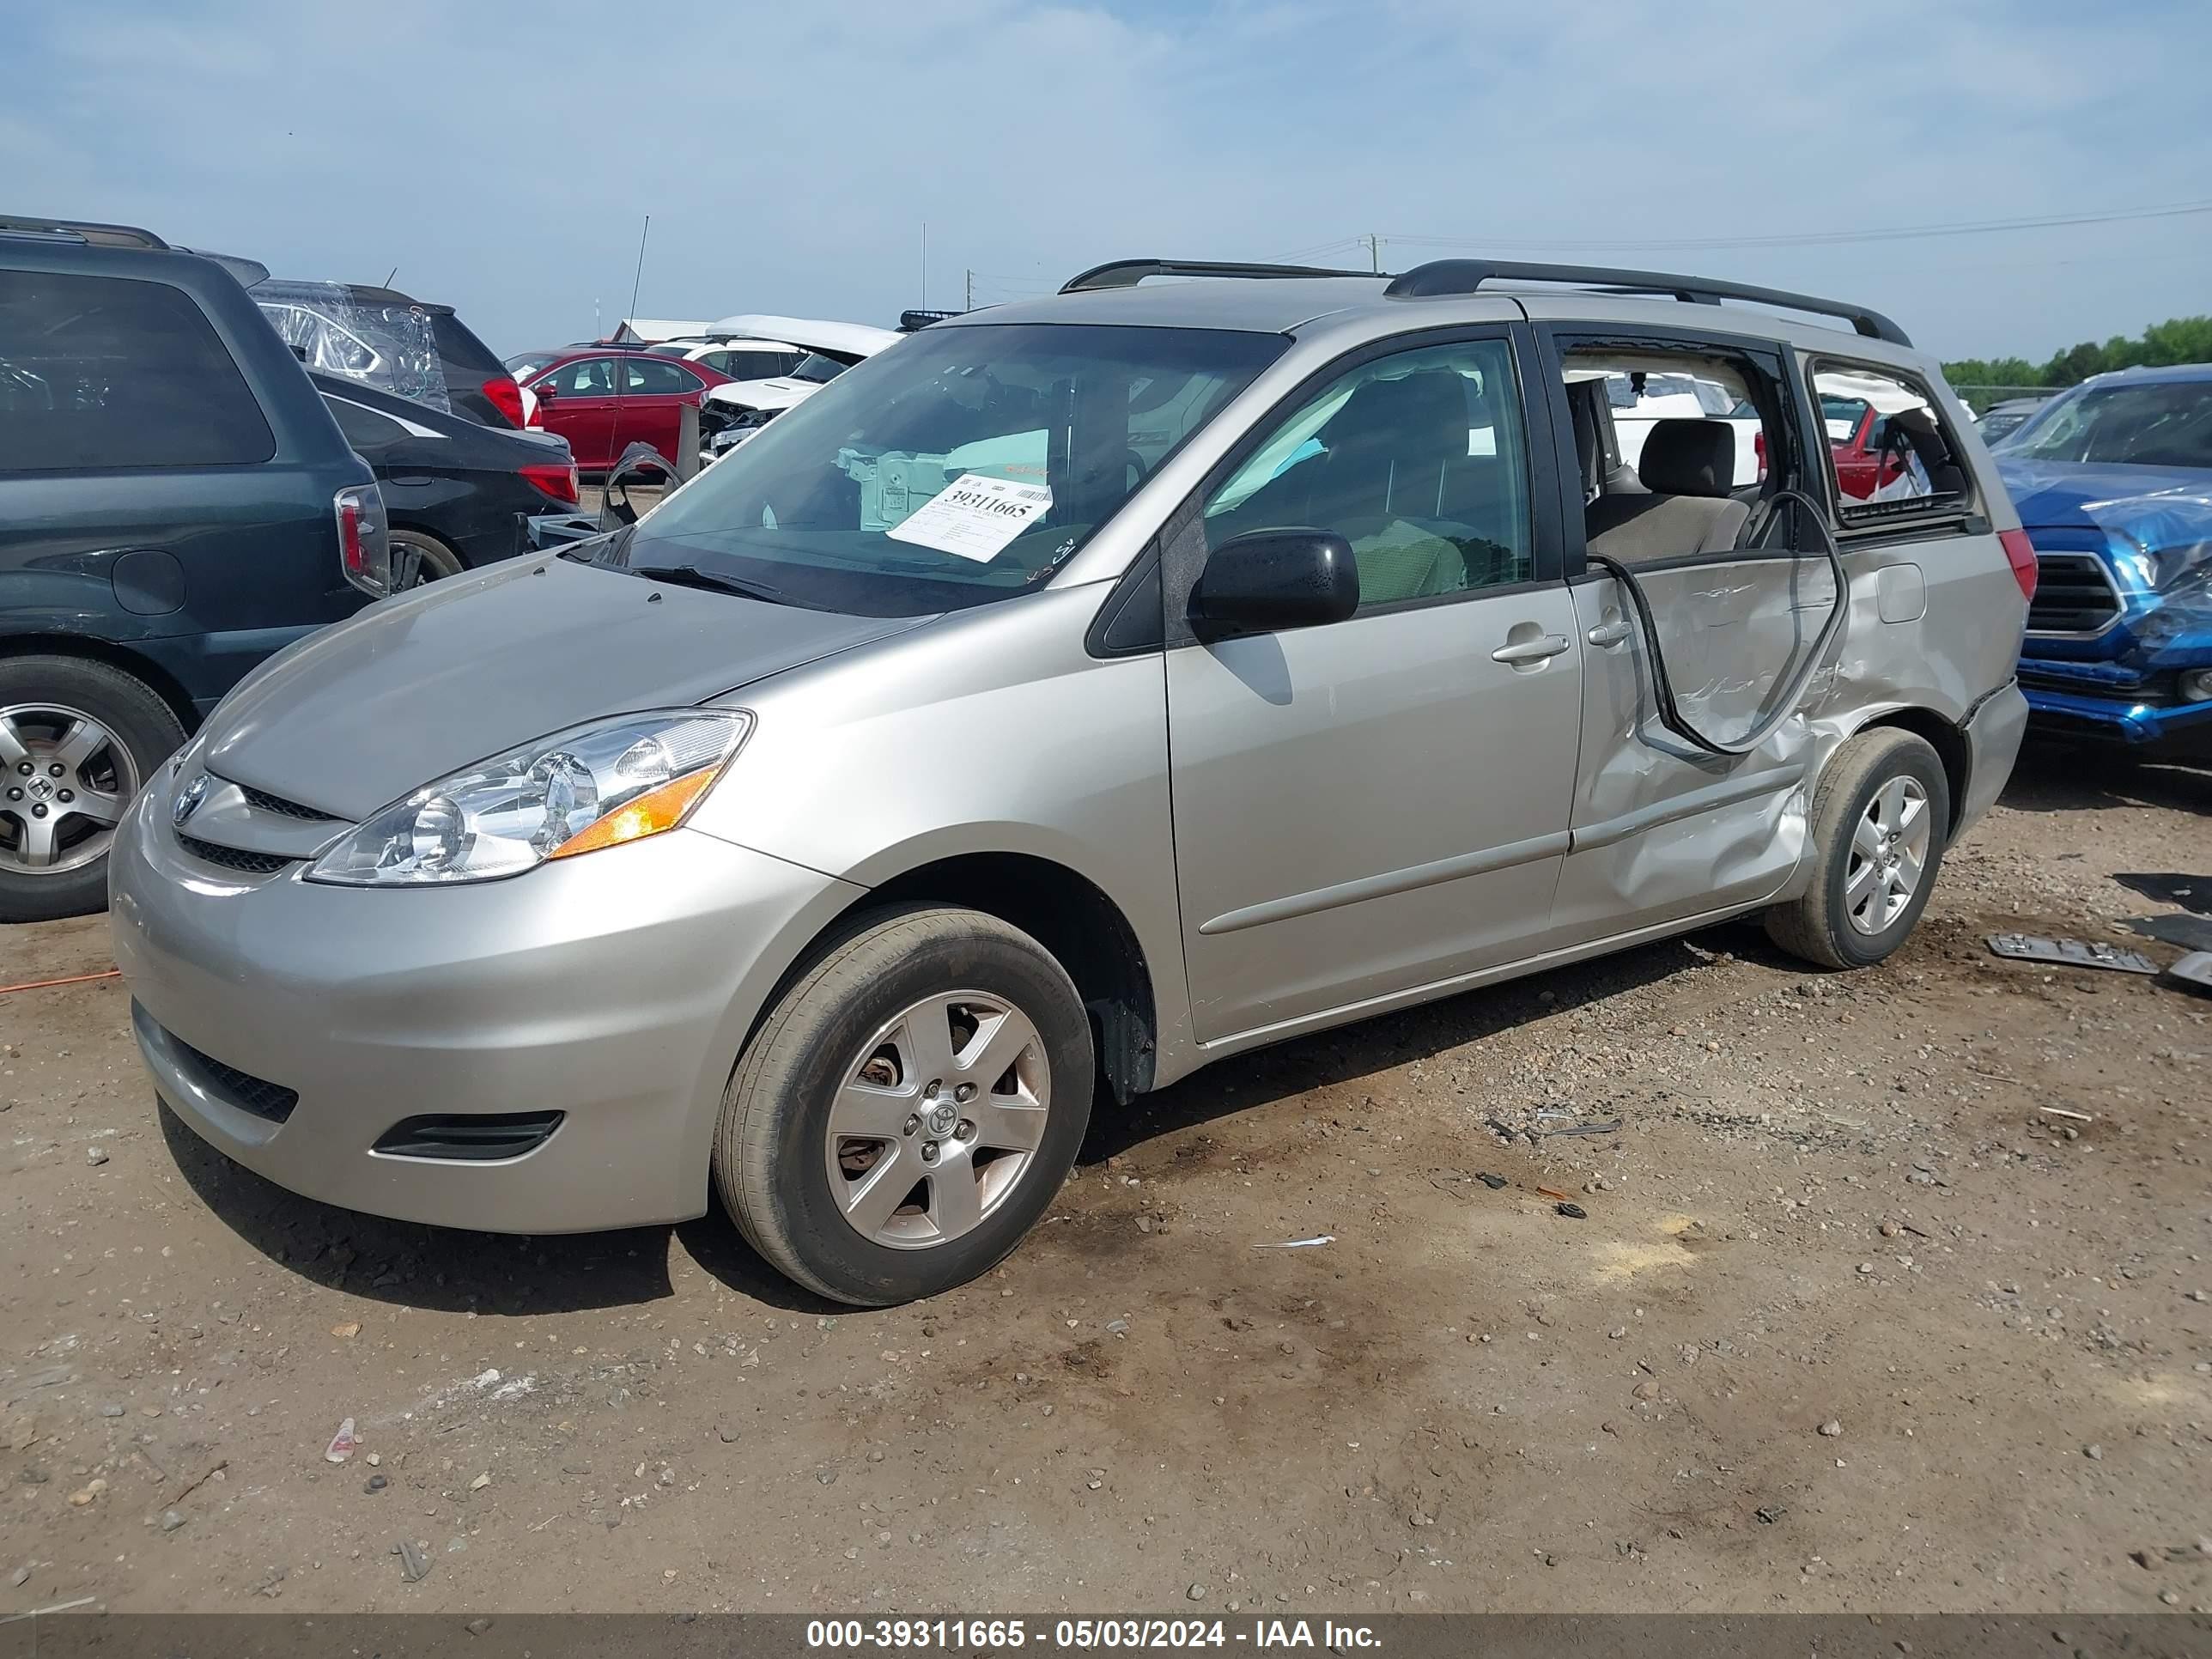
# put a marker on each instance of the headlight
(592, 786)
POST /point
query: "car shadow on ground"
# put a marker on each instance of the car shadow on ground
(1347, 1053)
(2053, 775)
(446, 1270)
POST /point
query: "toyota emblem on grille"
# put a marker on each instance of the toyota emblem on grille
(188, 802)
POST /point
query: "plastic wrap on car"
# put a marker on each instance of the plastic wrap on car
(393, 348)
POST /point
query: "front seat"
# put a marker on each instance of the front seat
(1688, 466)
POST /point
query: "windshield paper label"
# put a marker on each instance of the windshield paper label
(974, 517)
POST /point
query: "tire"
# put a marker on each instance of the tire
(854, 1031)
(1850, 916)
(418, 557)
(54, 863)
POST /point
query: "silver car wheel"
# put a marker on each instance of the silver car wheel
(64, 781)
(1889, 855)
(419, 559)
(938, 1119)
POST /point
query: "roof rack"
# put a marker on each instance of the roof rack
(95, 235)
(1128, 273)
(83, 231)
(1467, 276)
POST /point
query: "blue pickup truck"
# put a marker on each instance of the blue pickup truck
(2113, 482)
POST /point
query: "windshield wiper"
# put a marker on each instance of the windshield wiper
(690, 575)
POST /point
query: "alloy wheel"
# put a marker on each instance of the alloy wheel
(937, 1119)
(1889, 855)
(64, 781)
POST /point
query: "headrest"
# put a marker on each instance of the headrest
(1688, 458)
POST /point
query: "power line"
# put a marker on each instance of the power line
(1822, 237)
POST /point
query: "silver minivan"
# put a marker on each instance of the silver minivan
(1073, 694)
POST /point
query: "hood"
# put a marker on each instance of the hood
(2069, 496)
(764, 394)
(413, 688)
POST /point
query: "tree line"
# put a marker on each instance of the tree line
(2178, 340)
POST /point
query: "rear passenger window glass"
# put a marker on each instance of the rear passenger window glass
(113, 372)
(651, 375)
(1419, 460)
(1906, 463)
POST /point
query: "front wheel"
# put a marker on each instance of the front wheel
(78, 740)
(1880, 813)
(908, 1108)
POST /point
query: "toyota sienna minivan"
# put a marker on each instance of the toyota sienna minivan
(1081, 692)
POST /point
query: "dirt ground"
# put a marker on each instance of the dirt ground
(1850, 1323)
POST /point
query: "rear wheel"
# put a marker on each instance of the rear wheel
(417, 556)
(909, 1109)
(1880, 814)
(78, 740)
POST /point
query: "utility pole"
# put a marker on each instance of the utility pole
(970, 303)
(925, 264)
(1374, 252)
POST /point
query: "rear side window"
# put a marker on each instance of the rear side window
(1907, 464)
(116, 372)
(651, 375)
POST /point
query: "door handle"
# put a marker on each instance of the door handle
(1606, 635)
(1529, 651)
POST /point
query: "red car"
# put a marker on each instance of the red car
(603, 401)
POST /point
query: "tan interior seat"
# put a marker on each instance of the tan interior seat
(1688, 466)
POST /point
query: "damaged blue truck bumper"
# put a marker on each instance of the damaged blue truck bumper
(2148, 679)
(2106, 712)
(2119, 629)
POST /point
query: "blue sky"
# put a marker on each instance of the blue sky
(501, 157)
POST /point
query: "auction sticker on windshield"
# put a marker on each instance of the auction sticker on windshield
(974, 517)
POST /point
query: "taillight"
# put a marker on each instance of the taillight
(1759, 449)
(2020, 552)
(554, 478)
(506, 397)
(364, 545)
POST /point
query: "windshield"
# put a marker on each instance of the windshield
(967, 465)
(817, 368)
(2155, 423)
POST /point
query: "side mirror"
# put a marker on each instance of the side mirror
(1274, 579)
(545, 390)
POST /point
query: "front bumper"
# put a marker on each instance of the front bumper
(615, 989)
(2105, 699)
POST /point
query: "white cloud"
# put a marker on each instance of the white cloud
(500, 156)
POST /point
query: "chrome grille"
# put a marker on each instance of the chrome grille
(2074, 595)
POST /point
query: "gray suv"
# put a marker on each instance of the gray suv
(1074, 693)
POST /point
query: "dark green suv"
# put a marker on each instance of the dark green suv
(176, 504)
